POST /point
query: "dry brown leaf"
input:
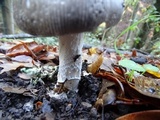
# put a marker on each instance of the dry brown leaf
(22, 58)
(92, 68)
(48, 56)
(144, 90)
(6, 46)
(142, 115)
(20, 90)
(25, 49)
(9, 66)
(108, 97)
(114, 78)
(148, 86)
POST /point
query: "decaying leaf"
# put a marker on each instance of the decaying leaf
(25, 48)
(135, 93)
(108, 97)
(142, 115)
(112, 77)
(92, 68)
(9, 66)
(20, 90)
(148, 86)
(22, 58)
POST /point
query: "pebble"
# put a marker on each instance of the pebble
(68, 107)
(93, 112)
(87, 105)
(28, 106)
(46, 108)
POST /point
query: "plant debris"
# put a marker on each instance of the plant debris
(110, 85)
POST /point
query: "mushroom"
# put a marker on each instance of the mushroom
(67, 19)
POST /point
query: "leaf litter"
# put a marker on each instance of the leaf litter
(109, 81)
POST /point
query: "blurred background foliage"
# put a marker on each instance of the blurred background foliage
(139, 27)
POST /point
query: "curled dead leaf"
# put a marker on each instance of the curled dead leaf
(92, 50)
(143, 115)
(108, 97)
(92, 68)
(148, 86)
(112, 77)
(38, 105)
(135, 93)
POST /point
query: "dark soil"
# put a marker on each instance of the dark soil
(78, 106)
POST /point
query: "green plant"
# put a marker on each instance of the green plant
(145, 19)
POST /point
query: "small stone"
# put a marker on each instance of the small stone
(28, 106)
(87, 105)
(46, 108)
(69, 106)
(93, 112)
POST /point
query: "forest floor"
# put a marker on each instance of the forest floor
(26, 96)
(26, 105)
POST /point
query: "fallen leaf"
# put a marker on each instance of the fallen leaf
(151, 67)
(148, 86)
(92, 50)
(153, 70)
(108, 97)
(137, 94)
(131, 65)
(25, 48)
(24, 76)
(113, 78)
(92, 68)
(22, 58)
(142, 115)
(9, 66)
(20, 90)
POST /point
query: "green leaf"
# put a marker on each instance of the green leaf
(150, 67)
(131, 65)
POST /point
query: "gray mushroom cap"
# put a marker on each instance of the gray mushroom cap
(60, 17)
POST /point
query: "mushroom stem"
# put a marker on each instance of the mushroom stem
(70, 60)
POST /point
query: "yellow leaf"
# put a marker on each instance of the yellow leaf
(92, 50)
(155, 73)
(92, 68)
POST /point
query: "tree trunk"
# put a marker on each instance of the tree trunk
(7, 13)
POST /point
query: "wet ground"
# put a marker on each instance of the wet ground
(38, 105)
